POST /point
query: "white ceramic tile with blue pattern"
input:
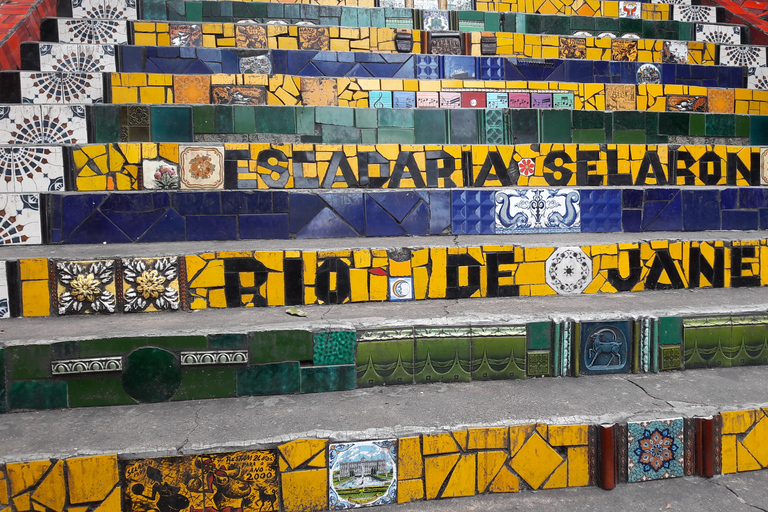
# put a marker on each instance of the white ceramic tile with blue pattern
(537, 211)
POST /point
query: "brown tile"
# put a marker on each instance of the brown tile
(687, 103)
(239, 95)
(721, 100)
(250, 36)
(318, 91)
(573, 48)
(620, 97)
(314, 38)
(624, 49)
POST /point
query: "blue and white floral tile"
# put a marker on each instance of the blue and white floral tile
(362, 474)
(61, 88)
(5, 309)
(77, 58)
(31, 169)
(742, 55)
(257, 64)
(43, 124)
(720, 34)
(104, 9)
(655, 450)
(426, 4)
(537, 211)
(394, 4)
(757, 78)
(435, 20)
(92, 31)
(20, 219)
(694, 13)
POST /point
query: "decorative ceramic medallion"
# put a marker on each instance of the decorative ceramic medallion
(569, 270)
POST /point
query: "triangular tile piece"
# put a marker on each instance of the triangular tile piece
(436, 469)
(378, 222)
(52, 492)
(745, 460)
(334, 68)
(134, 224)
(23, 476)
(461, 438)
(417, 222)
(170, 227)
(462, 480)
(382, 70)
(300, 451)
(78, 207)
(327, 224)
(112, 503)
(97, 229)
(559, 478)
(319, 461)
(303, 209)
(359, 71)
(198, 68)
(505, 481)
(349, 206)
(488, 466)
(668, 218)
(397, 204)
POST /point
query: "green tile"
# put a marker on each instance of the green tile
(652, 123)
(670, 330)
(706, 347)
(696, 125)
(589, 136)
(65, 350)
(377, 17)
(268, 379)
(337, 116)
(720, 125)
(318, 379)
(538, 364)
(395, 117)
(274, 119)
(223, 119)
(273, 346)
(227, 341)
(334, 347)
(245, 122)
(151, 375)
(37, 394)
(742, 126)
(305, 119)
(631, 25)
(385, 362)
(93, 390)
(606, 24)
(368, 137)
(671, 358)
(340, 135)
(495, 358)
(205, 118)
(442, 360)
(194, 11)
(106, 122)
(179, 342)
(171, 124)
(589, 119)
(198, 383)
(153, 10)
(629, 120)
(758, 130)
(396, 136)
(673, 123)
(349, 17)
(3, 406)
(28, 362)
(685, 31)
(291, 11)
(575, 22)
(560, 25)
(430, 126)
(629, 137)
(110, 346)
(539, 335)
(749, 345)
(525, 126)
(366, 118)
(555, 126)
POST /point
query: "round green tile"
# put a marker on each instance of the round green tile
(151, 375)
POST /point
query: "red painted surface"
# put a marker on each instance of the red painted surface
(20, 22)
(747, 12)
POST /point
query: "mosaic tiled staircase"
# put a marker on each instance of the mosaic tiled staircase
(559, 130)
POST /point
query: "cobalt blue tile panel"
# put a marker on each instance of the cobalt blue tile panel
(600, 211)
(473, 212)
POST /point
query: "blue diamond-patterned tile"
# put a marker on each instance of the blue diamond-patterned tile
(600, 211)
(472, 212)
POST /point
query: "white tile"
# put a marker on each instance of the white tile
(742, 55)
(31, 169)
(91, 31)
(63, 88)
(694, 13)
(20, 222)
(104, 9)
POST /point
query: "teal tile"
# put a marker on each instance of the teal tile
(496, 358)
(37, 394)
(106, 122)
(334, 347)
(151, 375)
(539, 335)
(593, 136)
(720, 125)
(110, 346)
(305, 119)
(556, 126)
(227, 341)
(337, 116)
(275, 119)
(194, 11)
(385, 362)
(223, 119)
(366, 118)
(171, 124)
(179, 342)
(95, 390)
(198, 383)
(318, 379)
(670, 330)
(275, 346)
(442, 360)
(204, 117)
(758, 130)
(28, 362)
(245, 122)
(340, 135)
(396, 136)
(430, 126)
(396, 117)
(368, 137)
(268, 379)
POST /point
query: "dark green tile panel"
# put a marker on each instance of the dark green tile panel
(340, 135)
(758, 130)
(720, 125)
(674, 123)
(93, 390)
(334, 347)
(385, 362)
(3, 406)
(317, 379)
(556, 126)
(430, 126)
(742, 126)
(670, 330)
(396, 118)
(629, 137)
(179, 342)
(106, 123)
(172, 124)
(223, 119)
(227, 341)
(337, 116)
(151, 375)
(65, 350)
(495, 358)
(268, 379)
(697, 125)
(37, 394)
(28, 362)
(110, 346)
(396, 136)
(275, 119)
(274, 346)
(194, 11)
(199, 383)
(539, 335)
(442, 360)
(204, 117)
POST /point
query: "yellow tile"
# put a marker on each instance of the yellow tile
(299, 451)
(139, 26)
(436, 469)
(488, 438)
(409, 461)
(559, 478)
(25, 475)
(33, 268)
(737, 422)
(409, 490)
(462, 480)
(745, 460)
(488, 466)
(568, 435)
(305, 490)
(535, 461)
(152, 95)
(578, 466)
(757, 441)
(439, 443)
(461, 438)
(729, 454)
(319, 461)
(91, 478)
(51, 492)
(35, 298)
(505, 481)
(517, 436)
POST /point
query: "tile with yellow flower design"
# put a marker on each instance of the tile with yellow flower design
(150, 284)
(202, 167)
(85, 287)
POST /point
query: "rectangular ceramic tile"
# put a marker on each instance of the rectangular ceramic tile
(674, 52)
(362, 474)
(537, 211)
(85, 287)
(43, 124)
(108, 9)
(92, 31)
(743, 55)
(77, 58)
(442, 359)
(720, 34)
(694, 13)
(20, 219)
(655, 450)
(61, 88)
(435, 20)
(605, 347)
(31, 169)
(150, 284)
(201, 167)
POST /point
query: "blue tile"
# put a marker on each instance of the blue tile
(297, 60)
(382, 70)
(378, 222)
(280, 201)
(264, 226)
(134, 224)
(753, 197)
(404, 99)
(349, 206)
(491, 68)
(326, 224)
(740, 220)
(729, 198)
(197, 67)
(407, 70)
(171, 227)
(660, 194)
(701, 210)
(302, 209)
(604, 347)
(439, 211)
(75, 209)
(428, 67)
(96, 229)
(132, 59)
(246, 202)
(632, 198)
(333, 68)
(211, 227)
(663, 215)
(631, 221)
(396, 203)
(600, 211)
(197, 203)
(169, 52)
(763, 214)
(359, 71)
(472, 212)
(459, 67)
(130, 202)
(416, 223)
